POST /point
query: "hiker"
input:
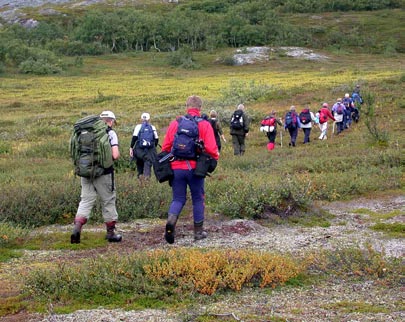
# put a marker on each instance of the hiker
(356, 96)
(339, 113)
(184, 167)
(239, 129)
(216, 126)
(292, 124)
(269, 126)
(143, 146)
(349, 105)
(324, 115)
(306, 118)
(102, 186)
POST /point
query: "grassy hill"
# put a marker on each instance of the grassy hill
(35, 134)
(281, 186)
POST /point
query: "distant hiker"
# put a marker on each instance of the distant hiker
(102, 185)
(339, 113)
(306, 118)
(356, 96)
(292, 124)
(324, 115)
(239, 129)
(216, 126)
(349, 105)
(143, 146)
(185, 138)
(269, 126)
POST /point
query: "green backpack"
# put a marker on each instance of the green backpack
(90, 147)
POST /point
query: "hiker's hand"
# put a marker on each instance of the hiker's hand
(131, 152)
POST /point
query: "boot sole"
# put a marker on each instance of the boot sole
(169, 233)
(75, 238)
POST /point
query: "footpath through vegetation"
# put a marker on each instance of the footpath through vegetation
(353, 270)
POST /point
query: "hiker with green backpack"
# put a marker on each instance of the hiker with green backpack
(93, 148)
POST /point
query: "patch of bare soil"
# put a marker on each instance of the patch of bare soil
(337, 300)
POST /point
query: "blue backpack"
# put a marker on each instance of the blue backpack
(357, 98)
(146, 137)
(186, 140)
(291, 120)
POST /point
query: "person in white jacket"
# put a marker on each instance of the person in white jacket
(307, 118)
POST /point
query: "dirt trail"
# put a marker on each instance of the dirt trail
(348, 228)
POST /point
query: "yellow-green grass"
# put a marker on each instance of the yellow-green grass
(38, 113)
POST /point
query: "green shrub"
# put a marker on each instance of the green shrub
(361, 263)
(183, 58)
(76, 48)
(378, 135)
(394, 229)
(239, 91)
(11, 235)
(39, 67)
(5, 147)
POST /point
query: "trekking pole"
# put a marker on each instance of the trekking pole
(281, 138)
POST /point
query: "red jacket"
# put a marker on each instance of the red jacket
(325, 113)
(206, 134)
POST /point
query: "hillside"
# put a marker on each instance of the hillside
(330, 213)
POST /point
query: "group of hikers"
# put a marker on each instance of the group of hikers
(189, 151)
(187, 139)
(343, 113)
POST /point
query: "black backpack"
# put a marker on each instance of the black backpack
(237, 122)
(305, 116)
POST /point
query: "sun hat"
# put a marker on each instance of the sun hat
(108, 114)
(145, 116)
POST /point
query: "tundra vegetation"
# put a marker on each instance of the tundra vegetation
(150, 58)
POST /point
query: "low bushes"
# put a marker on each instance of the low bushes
(161, 274)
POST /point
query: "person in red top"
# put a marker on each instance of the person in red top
(184, 173)
(324, 114)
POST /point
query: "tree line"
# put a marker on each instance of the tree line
(198, 25)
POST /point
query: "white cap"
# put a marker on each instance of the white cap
(145, 116)
(108, 114)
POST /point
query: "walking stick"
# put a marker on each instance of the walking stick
(281, 138)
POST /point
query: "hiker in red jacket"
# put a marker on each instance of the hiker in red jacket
(324, 114)
(184, 172)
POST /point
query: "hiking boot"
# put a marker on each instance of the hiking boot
(111, 236)
(170, 228)
(75, 237)
(199, 232)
